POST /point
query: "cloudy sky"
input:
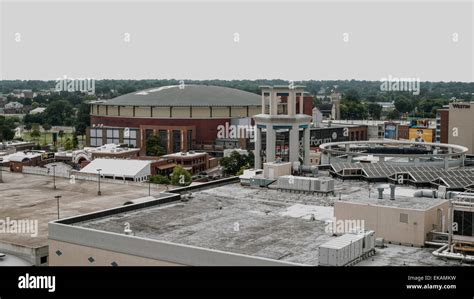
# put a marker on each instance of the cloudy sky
(292, 40)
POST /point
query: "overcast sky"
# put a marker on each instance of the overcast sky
(320, 40)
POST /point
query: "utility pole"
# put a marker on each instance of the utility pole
(1, 171)
(149, 186)
(54, 176)
(98, 172)
(57, 197)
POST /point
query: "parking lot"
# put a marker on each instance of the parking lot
(32, 198)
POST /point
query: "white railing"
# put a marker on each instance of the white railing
(93, 177)
(45, 171)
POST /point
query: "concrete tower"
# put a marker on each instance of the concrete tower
(272, 119)
(336, 105)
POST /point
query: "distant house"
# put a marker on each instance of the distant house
(28, 94)
(13, 108)
(3, 101)
(13, 105)
(387, 106)
(37, 110)
(119, 169)
(21, 94)
(325, 109)
(331, 110)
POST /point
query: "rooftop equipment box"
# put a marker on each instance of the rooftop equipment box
(346, 248)
(273, 170)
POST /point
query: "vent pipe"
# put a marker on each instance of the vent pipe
(380, 189)
(392, 192)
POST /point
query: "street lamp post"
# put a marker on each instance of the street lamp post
(54, 176)
(1, 171)
(57, 199)
(98, 172)
(149, 186)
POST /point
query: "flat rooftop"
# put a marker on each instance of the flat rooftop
(31, 197)
(248, 223)
(253, 221)
(403, 198)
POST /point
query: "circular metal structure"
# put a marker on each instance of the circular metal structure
(401, 152)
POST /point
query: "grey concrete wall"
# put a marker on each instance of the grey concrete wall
(65, 231)
(31, 255)
(162, 251)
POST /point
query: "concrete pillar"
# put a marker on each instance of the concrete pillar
(258, 147)
(270, 103)
(380, 189)
(301, 103)
(294, 143)
(291, 102)
(273, 103)
(270, 147)
(446, 162)
(463, 158)
(306, 136)
(381, 159)
(263, 102)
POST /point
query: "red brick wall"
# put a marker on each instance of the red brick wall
(444, 126)
(206, 129)
(307, 104)
(120, 155)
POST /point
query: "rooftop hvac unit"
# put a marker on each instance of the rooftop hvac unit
(325, 184)
(346, 249)
(379, 242)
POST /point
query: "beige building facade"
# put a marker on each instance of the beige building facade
(402, 225)
(461, 125)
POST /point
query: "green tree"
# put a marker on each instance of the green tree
(61, 135)
(35, 133)
(352, 95)
(180, 176)
(353, 110)
(46, 128)
(38, 118)
(82, 119)
(235, 162)
(403, 105)
(153, 146)
(393, 115)
(68, 145)
(7, 128)
(241, 171)
(160, 179)
(75, 141)
(59, 113)
(374, 110)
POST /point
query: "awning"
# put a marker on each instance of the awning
(166, 166)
